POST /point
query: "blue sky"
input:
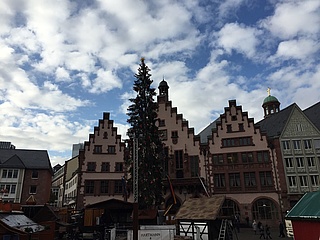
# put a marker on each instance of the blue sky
(63, 63)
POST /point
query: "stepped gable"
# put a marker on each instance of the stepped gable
(103, 125)
(313, 113)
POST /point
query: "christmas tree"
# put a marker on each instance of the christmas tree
(143, 120)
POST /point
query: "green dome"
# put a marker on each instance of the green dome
(270, 99)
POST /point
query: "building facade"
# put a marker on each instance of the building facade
(25, 175)
(101, 165)
(297, 144)
(241, 166)
(183, 164)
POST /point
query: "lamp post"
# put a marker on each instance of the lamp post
(135, 156)
(265, 212)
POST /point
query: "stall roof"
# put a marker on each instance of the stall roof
(307, 208)
(201, 208)
(19, 222)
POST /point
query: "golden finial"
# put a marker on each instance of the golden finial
(269, 89)
(142, 59)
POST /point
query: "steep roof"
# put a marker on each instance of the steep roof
(313, 113)
(207, 131)
(274, 124)
(307, 207)
(201, 208)
(21, 158)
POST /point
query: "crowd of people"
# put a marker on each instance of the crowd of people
(264, 231)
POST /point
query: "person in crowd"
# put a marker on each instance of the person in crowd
(281, 229)
(261, 229)
(268, 233)
(254, 226)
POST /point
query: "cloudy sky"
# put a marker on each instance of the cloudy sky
(65, 62)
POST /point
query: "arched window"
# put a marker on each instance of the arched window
(263, 209)
(229, 208)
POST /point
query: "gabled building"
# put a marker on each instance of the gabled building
(71, 179)
(58, 185)
(101, 165)
(25, 175)
(183, 164)
(295, 139)
(241, 166)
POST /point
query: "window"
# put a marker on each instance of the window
(303, 181)
(119, 167)
(241, 128)
(104, 186)
(247, 157)
(314, 179)
(311, 162)
(229, 128)
(234, 179)
(174, 134)
(163, 135)
(263, 156)
(300, 162)
(10, 188)
(34, 174)
(232, 142)
(4, 173)
(296, 145)
(265, 179)
(13, 189)
(178, 156)
(286, 145)
(105, 135)
(217, 159)
(111, 149)
(15, 173)
(89, 186)
(289, 163)
(194, 166)
(91, 166)
(299, 127)
(228, 142)
(162, 122)
(219, 180)
(118, 187)
(33, 189)
(10, 171)
(250, 179)
(105, 167)
(97, 149)
(232, 157)
(307, 144)
(245, 141)
(292, 181)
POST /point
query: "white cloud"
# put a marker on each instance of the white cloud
(292, 18)
(297, 49)
(105, 80)
(239, 38)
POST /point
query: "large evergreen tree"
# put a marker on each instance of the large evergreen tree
(142, 118)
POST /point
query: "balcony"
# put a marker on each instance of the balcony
(301, 169)
(293, 189)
